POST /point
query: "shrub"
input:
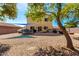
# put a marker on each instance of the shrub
(50, 51)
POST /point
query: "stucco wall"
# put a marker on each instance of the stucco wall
(41, 23)
(7, 29)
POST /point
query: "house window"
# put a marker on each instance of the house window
(46, 19)
(45, 27)
(39, 28)
(32, 27)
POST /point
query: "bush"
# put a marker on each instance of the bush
(4, 48)
(50, 51)
(54, 31)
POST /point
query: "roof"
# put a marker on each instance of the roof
(7, 24)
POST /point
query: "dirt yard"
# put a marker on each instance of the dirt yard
(28, 46)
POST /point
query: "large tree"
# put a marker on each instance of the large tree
(8, 10)
(71, 24)
(57, 12)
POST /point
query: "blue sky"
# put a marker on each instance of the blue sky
(21, 19)
(21, 8)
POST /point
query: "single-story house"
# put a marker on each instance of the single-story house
(6, 28)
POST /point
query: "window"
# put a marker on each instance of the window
(39, 28)
(45, 27)
(46, 19)
(32, 27)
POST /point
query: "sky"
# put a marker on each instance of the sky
(21, 19)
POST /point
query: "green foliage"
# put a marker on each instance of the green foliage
(71, 24)
(77, 11)
(67, 11)
(38, 11)
(8, 10)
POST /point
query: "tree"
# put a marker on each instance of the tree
(58, 18)
(35, 11)
(57, 12)
(71, 24)
(8, 10)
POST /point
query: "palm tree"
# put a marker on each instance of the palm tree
(8, 10)
(57, 12)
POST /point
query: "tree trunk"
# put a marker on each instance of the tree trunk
(69, 41)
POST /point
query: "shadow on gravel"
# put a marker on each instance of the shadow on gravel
(4, 48)
(50, 51)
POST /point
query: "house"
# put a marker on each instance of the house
(46, 24)
(42, 25)
(6, 28)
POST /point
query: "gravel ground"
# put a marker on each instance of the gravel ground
(28, 46)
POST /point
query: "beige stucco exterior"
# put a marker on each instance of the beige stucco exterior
(41, 23)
